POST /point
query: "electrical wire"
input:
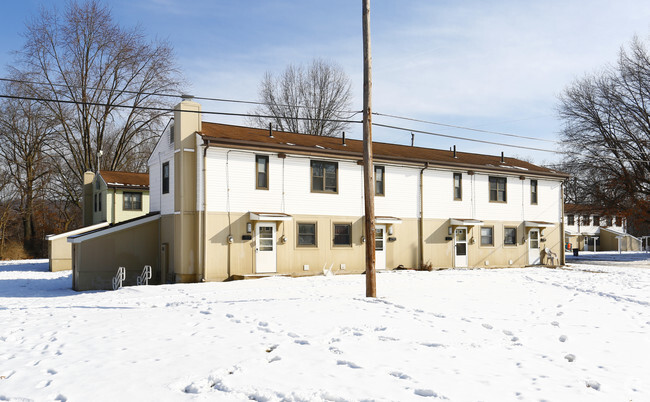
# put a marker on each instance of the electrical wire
(168, 95)
(464, 128)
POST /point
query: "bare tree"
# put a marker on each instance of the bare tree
(311, 100)
(25, 130)
(607, 133)
(105, 85)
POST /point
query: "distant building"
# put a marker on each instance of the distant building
(589, 228)
(115, 196)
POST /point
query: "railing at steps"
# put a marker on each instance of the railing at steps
(143, 279)
(119, 278)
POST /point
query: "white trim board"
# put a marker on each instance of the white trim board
(77, 231)
(80, 238)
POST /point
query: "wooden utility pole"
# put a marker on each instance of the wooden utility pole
(368, 167)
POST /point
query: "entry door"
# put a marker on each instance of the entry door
(380, 247)
(533, 247)
(460, 246)
(265, 249)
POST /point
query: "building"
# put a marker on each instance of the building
(115, 196)
(108, 198)
(588, 228)
(231, 201)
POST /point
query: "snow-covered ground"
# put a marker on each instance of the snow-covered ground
(581, 333)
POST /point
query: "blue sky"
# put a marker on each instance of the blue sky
(491, 65)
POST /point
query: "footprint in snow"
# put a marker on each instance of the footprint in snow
(570, 358)
(61, 398)
(301, 342)
(400, 375)
(293, 335)
(555, 324)
(563, 338)
(425, 393)
(506, 332)
(487, 326)
(347, 363)
(432, 345)
(593, 384)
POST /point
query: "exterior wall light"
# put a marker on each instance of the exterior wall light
(249, 227)
(450, 230)
(363, 239)
(283, 239)
(390, 230)
(230, 239)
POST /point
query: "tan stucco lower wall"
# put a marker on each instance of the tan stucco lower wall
(60, 254)
(96, 260)
(607, 242)
(225, 260)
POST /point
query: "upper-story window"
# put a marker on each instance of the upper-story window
(608, 221)
(596, 220)
(458, 186)
(380, 180)
(586, 220)
(533, 192)
(570, 220)
(262, 172)
(619, 221)
(165, 178)
(324, 177)
(132, 201)
(498, 189)
(171, 134)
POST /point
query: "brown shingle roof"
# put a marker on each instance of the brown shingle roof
(238, 136)
(125, 179)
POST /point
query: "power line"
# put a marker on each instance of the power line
(168, 95)
(465, 128)
(504, 144)
(169, 110)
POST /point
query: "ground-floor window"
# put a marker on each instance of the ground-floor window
(342, 234)
(510, 236)
(487, 236)
(306, 234)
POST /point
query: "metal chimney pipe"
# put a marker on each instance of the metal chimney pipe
(502, 160)
(455, 152)
(271, 130)
(344, 144)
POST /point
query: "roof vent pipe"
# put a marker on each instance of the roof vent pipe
(344, 144)
(502, 160)
(270, 130)
(455, 152)
(412, 139)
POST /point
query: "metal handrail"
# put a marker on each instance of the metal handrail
(119, 278)
(143, 279)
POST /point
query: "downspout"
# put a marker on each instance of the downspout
(204, 239)
(562, 234)
(113, 212)
(421, 220)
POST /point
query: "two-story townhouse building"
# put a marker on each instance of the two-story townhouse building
(590, 228)
(234, 201)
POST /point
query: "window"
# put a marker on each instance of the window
(570, 220)
(95, 203)
(306, 234)
(99, 201)
(262, 172)
(380, 180)
(533, 192)
(596, 220)
(586, 220)
(458, 186)
(343, 234)
(171, 134)
(324, 177)
(497, 189)
(608, 221)
(510, 236)
(132, 201)
(487, 236)
(165, 178)
(619, 221)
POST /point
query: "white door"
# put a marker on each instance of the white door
(265, 250)
(533, 247)
(380, 247)
(460, 248)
